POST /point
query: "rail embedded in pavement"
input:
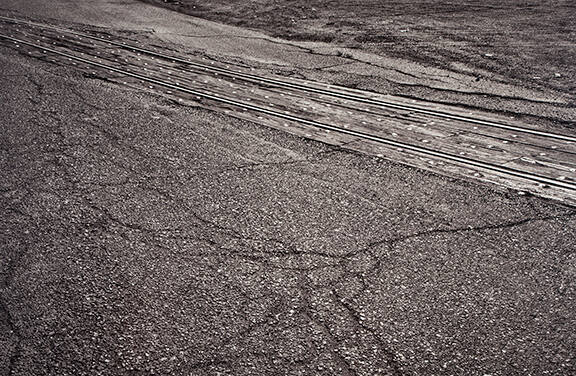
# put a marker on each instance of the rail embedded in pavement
(303, 87)
(143, 76)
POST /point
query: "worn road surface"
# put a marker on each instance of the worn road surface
(142, 237)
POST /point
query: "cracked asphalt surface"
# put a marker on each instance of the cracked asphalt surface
(140, 237)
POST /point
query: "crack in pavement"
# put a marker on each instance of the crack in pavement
(16, 257)
(348, 304)
(309, 313)
(357, 319)
(392, 243)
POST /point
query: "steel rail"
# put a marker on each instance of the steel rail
(417, 149)
(303, 87)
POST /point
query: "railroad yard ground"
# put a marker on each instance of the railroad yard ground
(140, 236)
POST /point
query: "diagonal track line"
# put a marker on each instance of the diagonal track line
(417, 149)
(303, 87)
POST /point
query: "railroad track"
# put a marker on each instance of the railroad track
(302, 87)
(151, 76)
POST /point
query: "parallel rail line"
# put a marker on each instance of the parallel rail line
(305, 88)
(362, 135)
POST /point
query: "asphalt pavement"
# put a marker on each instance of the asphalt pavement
(143, 237)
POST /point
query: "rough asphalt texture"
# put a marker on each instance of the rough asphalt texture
(143, 238)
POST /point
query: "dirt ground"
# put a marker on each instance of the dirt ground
(528, 42)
